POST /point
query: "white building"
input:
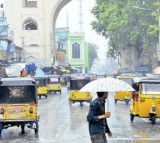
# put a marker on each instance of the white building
(30, 22)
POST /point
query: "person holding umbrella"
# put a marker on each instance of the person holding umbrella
(96, 118)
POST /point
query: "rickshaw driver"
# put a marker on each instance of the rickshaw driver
(80, 84)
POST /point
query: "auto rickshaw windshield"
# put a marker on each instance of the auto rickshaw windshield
(78, 84)
(17, 94)
(54, 80)
(150, 88)
(40, 82)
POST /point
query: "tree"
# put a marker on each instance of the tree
(92, 53)
(126, 26)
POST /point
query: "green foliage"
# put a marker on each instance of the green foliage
(92, 53)
(127, 24)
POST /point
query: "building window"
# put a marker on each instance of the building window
(30, 3)
(76, 51)
(30, 24)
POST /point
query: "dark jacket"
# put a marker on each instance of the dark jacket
(97, 108)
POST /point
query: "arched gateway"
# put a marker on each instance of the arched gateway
(33, 23)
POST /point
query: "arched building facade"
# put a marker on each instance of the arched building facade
(33, 23)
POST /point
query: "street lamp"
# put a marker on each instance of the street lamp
(158, 24)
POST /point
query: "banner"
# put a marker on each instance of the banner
(3, 28)
(61, 37)
(10, 50)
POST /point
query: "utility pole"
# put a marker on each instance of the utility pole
(23, 53)
(80, 16)
(51, 49)
(159, 26)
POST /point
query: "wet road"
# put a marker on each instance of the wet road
(62, 123)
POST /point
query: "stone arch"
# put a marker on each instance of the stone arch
(30, 24)
(54, 14)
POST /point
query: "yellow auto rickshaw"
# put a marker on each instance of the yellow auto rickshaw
(76, 83)
(124, 95)
(54, 83)
(145, 101)
(18, 103)
(41, 83)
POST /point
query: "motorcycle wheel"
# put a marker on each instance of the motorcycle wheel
(127, 101)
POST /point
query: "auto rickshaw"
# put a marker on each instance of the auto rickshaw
(54, 83)
(76, 83)
(41, 83)
(124, 95)
(18, 103)
(145, 101)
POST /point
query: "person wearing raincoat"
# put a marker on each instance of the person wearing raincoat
(96, 118)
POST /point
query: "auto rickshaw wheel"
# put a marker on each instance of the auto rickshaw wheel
(22, 129)
(36, 131)
(115, 100)
(127, 101)
(39, 96)
(60, 92)
(81, 103)
(153, 120)
(89, 101)
(131, 117)
(0, 131)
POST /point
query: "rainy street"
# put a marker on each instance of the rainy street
(62, 123)
(84, 46)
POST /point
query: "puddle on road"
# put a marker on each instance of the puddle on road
(34, 140)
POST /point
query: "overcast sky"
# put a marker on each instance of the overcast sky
(72, 10)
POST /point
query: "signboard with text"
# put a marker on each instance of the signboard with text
(61, 37)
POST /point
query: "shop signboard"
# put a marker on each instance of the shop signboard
(61, 37)
(3, 28)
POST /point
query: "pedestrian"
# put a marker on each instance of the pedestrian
(68, 85)
(23, 73)
(96, 118)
